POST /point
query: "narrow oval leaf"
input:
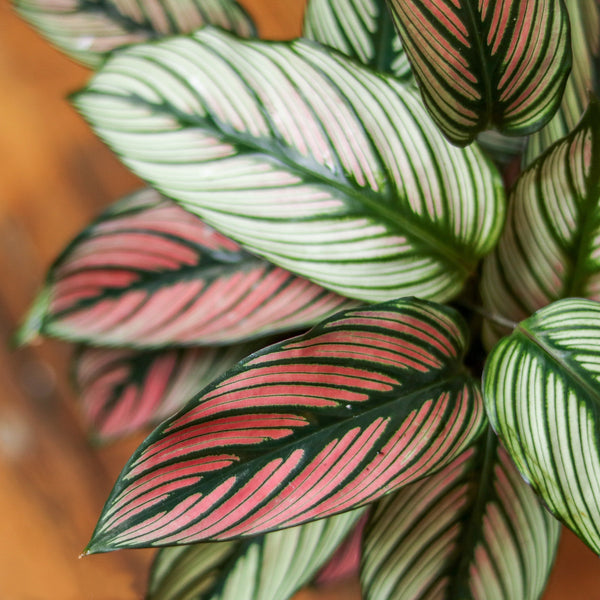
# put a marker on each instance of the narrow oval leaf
(88, 31)
(148, 274)
(367, 401)
(269, 567)
(542, 395)
(550, 246)
(360, 29)
(473, 531)
(584, 16)
(122, 390)
(313, 161)
(482, 64)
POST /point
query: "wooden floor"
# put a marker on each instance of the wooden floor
(54, 176)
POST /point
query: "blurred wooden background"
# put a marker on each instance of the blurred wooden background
(54, 177)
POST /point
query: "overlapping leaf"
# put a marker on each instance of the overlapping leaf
(149, 274)
(483, 64)
(361, 29)
(473, 531)
(122, 390)
(89, 30)
(584, 17)
(542, 395)
(310, 160)
(269, 567)
(550, 246)
(367, 401)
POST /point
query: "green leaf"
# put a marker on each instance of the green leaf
(310, 160)
(483, 64)
(584, 16)
(473, 531)
(542, 395)
(360, 29)
(369, 400)
(268, 567)
(88, 30)
(550, 246)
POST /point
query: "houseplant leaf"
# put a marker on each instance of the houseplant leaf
(380, 398)
(473, 531)
(360, 29)
(483, 64)
(584, 16)
(89, 30)
(542, 397)
(148, 274)
(550, 246)
(122, 390)
(268, 567)
(312, 161)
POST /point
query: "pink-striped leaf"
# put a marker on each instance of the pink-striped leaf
(123, 390)
(473, 531)
(267, 567)
(483, 64)
(148, 274)
(89, 30)
(369, 400)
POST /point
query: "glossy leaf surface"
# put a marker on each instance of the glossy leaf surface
(304, 157)
(483, 64)
(149, 274)
(122, 390)
(269, 567)
(89, 30)
(550, 246)
(584, 17)
(473, 531)
(367, 401)
(361, 29)
(542, 395)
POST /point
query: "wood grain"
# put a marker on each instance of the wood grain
(54, 177)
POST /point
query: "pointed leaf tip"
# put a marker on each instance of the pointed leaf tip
(32, 326)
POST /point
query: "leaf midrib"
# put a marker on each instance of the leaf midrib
(405, 223)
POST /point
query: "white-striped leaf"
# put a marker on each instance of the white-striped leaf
(122, 390)
(89, 30)
(542, 394)
(306, 158)
(584, 16)
(474, 531)
(369, 400)
(269, 567)
(550, 246)
(483, 64)
(149, 274)
(360, 29)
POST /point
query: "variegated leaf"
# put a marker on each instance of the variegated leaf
(268, 567)
(369, 400)
(483, 64)
(306, 158)
(550, 246)
(473, 531)
(542, 394)
(148, 274)
(122, 390)
(361, 29)
(584, 16)
(89, 30)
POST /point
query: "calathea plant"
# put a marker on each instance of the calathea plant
(324, 208)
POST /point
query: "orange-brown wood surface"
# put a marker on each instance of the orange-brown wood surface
(54, 177)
